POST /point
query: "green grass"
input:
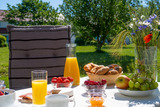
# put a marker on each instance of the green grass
(4, 61)
(86, 54)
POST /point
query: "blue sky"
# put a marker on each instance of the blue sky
(3, 3)
(54, 3)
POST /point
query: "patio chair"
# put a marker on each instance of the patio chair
(36, 48)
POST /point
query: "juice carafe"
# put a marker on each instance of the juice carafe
(71, 66)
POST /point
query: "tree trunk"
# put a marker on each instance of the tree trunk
(99, 46)
(100, 43)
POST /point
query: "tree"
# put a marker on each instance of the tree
(95, 18)
(32, 12)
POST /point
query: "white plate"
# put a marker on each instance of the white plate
(136, 93)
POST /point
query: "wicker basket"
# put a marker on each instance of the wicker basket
(109, 78)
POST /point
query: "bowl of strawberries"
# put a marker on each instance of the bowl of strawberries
(89, 84)
(62, 82)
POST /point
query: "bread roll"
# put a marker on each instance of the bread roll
(93, 65)
(94, 69)
(102, 70)
(112, 72)
(88, 67)
(112, 66)
(118, 68)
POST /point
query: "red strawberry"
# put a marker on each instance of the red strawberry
(86, 82)
(95, 83)
(63, 78)
(66, 80)
(103, 81)
(59, 80)
(1, 93)
(70, 78)
(91, 82)
(99, 83)
(54, 80)
(64, 83)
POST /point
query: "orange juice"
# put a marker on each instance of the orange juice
(72, 69)
(96, 101)
(39, 91)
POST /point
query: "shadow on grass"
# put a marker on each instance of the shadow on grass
(106, 47)
(128, 47)
(127, 62)
(124, 47)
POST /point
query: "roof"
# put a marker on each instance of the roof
(2, 14)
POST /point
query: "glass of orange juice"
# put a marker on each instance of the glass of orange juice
(96, 97)
(39, 86)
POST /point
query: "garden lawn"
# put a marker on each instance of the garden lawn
(87, 54)
(4, 59)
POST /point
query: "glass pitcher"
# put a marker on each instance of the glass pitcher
(71, 65)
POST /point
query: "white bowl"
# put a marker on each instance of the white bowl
(136, 93)
(7, 100)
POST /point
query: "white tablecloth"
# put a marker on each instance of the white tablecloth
(114, 98)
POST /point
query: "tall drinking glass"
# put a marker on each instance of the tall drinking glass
(39, 86)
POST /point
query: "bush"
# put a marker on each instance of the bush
(3, 41)
(80, 41)
(92, 42)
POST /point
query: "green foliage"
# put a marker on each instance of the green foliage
(3, 41)
(82, 41)
(153, 7)
(33, 12)
(92, 43)
(79, 41)
(95, 18)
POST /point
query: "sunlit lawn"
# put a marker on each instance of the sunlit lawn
(4, 59)
(86, 54)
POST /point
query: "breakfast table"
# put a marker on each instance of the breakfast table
(114, 98)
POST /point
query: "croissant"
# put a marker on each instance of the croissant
(94, 69)
(118, 68)
(89, 66)
(102, 70)
(112, 72)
